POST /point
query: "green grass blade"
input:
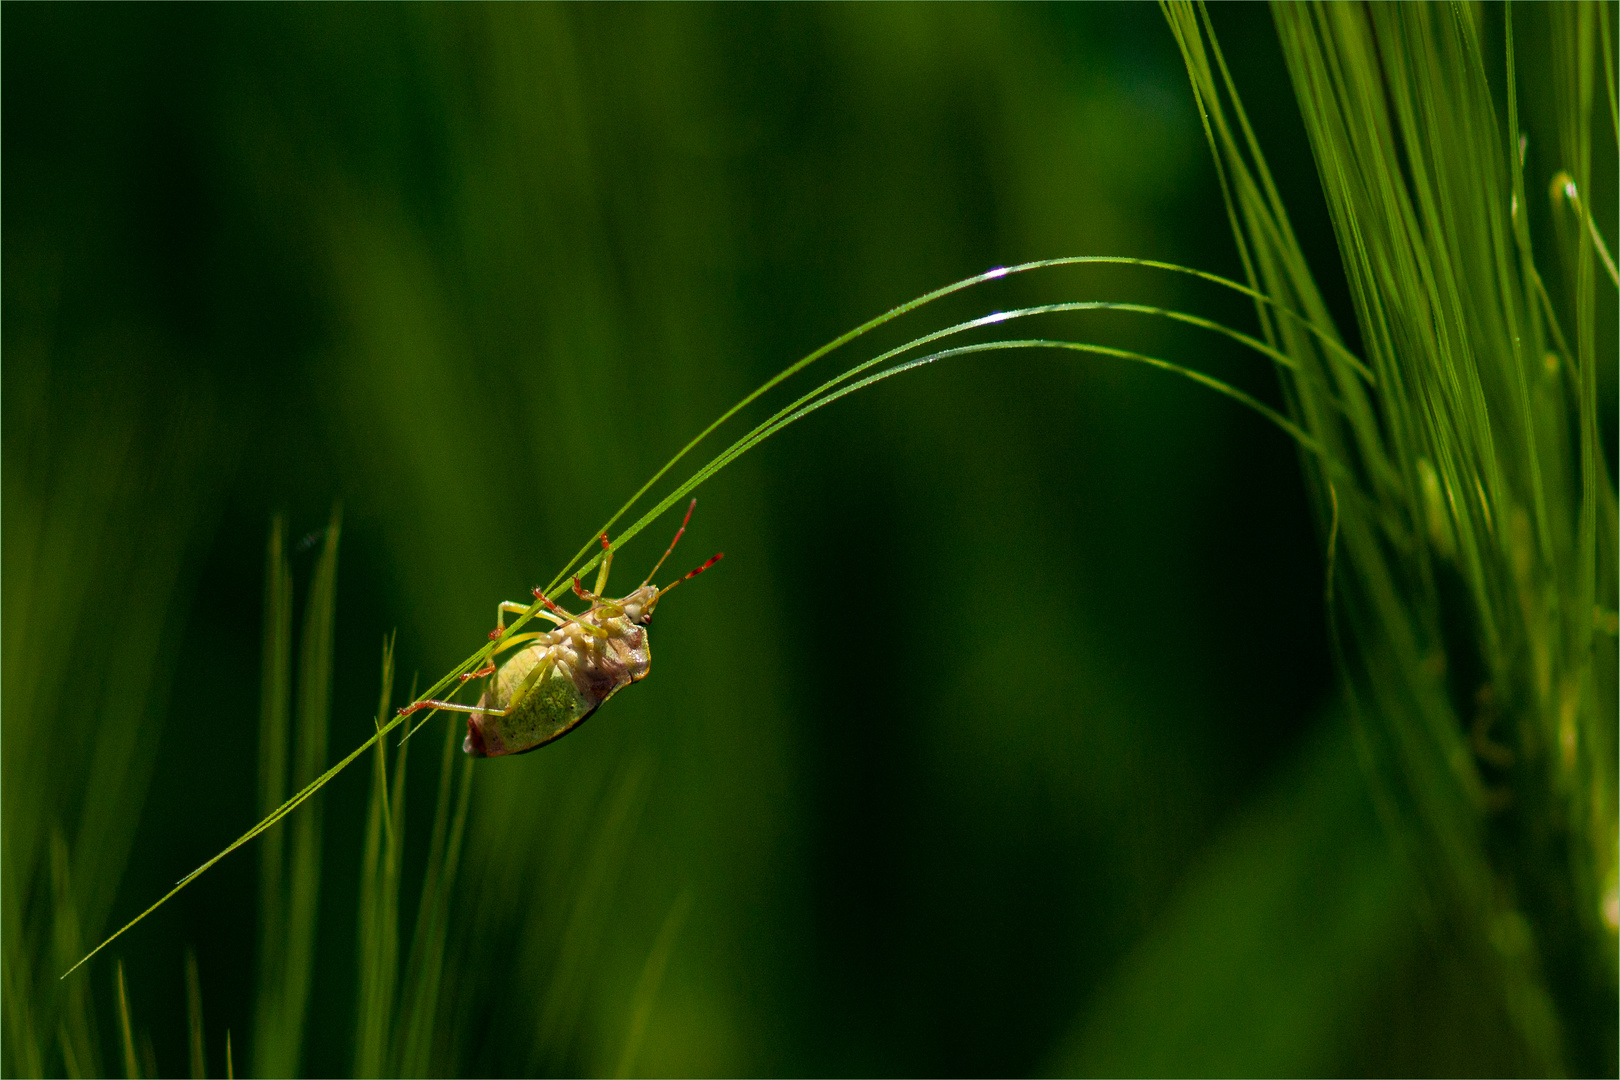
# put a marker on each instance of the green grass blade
(70, 1060)
(645, 994)
(285, 985)
(148, 1054)
(378, 934)
(835, 389)
(25, 1056)
(1611, 76)
(1426, 192)
(425, 968)
(76, 1029)
(275, 702)
(126, 1035)
(194, 1018)
(582, 933)
(304, 794)
(314, 705)
(592, 555)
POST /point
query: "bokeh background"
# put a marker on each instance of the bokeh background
(1004, 739)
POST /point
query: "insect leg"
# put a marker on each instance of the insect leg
(522, 689)
(573, 620)
(516, 608)
(611, 608)
(450, 705)
(518, 639)
(607, 561)
(521, 692)
(489, 668)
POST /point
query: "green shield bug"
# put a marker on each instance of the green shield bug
(562, 676)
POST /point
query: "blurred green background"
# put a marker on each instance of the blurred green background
(1003, 740)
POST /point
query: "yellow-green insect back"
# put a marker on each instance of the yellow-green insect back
(562, 676)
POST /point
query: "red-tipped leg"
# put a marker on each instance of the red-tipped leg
(487, 669)
(569, 618)
(602, 571)
(551, 605)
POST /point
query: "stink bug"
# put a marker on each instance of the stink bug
(562, 676)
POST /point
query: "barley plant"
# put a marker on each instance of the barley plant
(1475, 536)
(1203, 662)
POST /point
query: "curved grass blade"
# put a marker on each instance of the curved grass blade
(1312, 327)
(824, 395)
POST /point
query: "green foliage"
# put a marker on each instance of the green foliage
(1469, 595)
(291, 889)
(127, 1036)
(398, 1015)
(417, 1034)
(966, 834)
(379, 897)
(105, 490)
(395, 1017)
(652, 977)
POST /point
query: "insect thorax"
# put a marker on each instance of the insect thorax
(605, 665)
(584, 671)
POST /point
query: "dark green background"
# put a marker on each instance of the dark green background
(1002, 740)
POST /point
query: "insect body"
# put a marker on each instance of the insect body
(561, 676)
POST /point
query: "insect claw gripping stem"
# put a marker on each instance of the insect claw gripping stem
(607, 561)
(597, 602)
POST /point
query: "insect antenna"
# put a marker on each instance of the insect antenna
(678, 533)
(716, 557)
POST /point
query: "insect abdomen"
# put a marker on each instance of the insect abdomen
(552, 706)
